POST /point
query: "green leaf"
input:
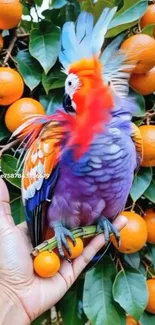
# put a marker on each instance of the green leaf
(152, 251)
(142, 270)
(57, 4)
(130, 291)
(71, 11)
(138, 122)
(141, 183)
(29, 68)
(149, 193)
(4, 132)
(97, 8)
(87, 5)
(127, 16)
(100, 5)
(44, 319)
(139, 99)
(73, 314)
(9, 169)
(52, 102)
(38, 2)
(17, 210)
(149, 30)
(44, 44)
(98, 302)
(133, 260)
(147, 319)
(55, 79)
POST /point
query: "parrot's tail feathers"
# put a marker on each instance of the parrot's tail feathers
(31, 128)
(35, 226)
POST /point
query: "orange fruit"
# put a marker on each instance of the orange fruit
(134, 235)
(140, 50)
(46, 264)
(151, 289)
(149, 218)
(144, 83)
(18, 111)
(148, 136)
(10, 13)
(75, 250)
(11, 86)
(149, 17)
(1, 42)
(131, 321)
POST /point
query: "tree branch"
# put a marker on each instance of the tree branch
(10, 48)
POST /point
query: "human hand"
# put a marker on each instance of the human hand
(23, 295)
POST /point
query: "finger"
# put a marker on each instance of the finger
(5, 212)
(22, 225)
(93, 247)
(69, 272)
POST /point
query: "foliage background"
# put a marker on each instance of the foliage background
(116, 285)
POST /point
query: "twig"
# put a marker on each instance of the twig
(8, 146)
(133, 206)
(147, 269)
(149, 116)
(10, 48)
(23, 35)
(84, 232)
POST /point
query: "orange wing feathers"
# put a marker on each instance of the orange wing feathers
(42, 158)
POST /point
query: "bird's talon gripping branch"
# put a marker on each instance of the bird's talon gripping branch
(61, 234)
(108, 228)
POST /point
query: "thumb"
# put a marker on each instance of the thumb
(6, 221)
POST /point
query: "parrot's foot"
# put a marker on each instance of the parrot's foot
(108, 228)
(61, 233)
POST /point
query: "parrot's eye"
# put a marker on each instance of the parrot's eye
(72, 84)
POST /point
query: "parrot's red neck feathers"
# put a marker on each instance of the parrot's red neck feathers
(94, 103)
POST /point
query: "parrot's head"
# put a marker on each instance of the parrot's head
(87, 102)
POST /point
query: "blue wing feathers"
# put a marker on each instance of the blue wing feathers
(43, 194)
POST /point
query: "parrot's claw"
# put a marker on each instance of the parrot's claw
(61, 234)
(108, 228)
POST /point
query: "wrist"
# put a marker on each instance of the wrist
(12, 310)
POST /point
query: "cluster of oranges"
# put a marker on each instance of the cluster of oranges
(151, 303)
(11, 83)
(11, 90)
(140, 50)
(133, 237)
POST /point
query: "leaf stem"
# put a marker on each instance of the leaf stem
(147, 269)
(119, 263)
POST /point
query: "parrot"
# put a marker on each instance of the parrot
(80, 161)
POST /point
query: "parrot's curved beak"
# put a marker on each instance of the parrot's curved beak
(67, 104)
